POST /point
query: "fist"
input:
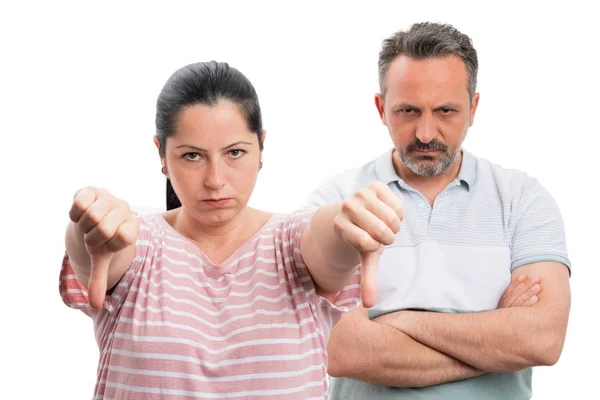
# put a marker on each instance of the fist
(107, 226)
(369, 220)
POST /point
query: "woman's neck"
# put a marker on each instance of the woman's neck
(189, 226)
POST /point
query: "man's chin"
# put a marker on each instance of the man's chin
(428, 162)
(425, 166)
(420, 158)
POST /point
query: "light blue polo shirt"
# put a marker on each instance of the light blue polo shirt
(456, 256)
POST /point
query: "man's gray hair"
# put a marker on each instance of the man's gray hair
(426, 40)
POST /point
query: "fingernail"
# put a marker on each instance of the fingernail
(532, 300)
(522, 278)
(535, 288)
(535, 279)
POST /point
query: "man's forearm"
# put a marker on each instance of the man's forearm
(378, 353)
(504, 340)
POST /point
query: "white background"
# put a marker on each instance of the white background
(78, 86)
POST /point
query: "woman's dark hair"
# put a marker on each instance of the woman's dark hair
(203, 83)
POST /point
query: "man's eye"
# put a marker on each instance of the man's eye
(446, 110)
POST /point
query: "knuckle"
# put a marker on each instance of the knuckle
(104, 231)
(363, 193)
(91, 240)
(94, 216)
(74, 214)
(127, 234)
(347, 206)
(394, 223)
(126, 207)
(364, 241)
(338, 224)
(81, 192)
(388, 240)
(520, 287)
(78, 204)
(380, 232)
(361, 241)
(376, 185)
(400, 211)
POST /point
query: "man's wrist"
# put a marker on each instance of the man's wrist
(399, 319)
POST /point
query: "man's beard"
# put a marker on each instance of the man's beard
(428, 165)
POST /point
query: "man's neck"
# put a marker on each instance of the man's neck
(429, 186)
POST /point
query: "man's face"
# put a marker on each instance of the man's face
(428, 111)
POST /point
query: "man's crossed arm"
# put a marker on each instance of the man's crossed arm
(414, 349)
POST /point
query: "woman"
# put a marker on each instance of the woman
(215, 299)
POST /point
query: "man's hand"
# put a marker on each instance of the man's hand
(522, 291)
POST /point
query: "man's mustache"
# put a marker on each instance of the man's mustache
(420, 146)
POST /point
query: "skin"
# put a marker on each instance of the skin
(427, 103)
(428, 110)
(213, 161)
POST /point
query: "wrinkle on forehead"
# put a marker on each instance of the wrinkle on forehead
(429, 82)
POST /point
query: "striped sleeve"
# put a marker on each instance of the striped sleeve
(345, 300)
(538, 231)
(75, 295)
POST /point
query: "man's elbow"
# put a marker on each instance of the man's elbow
(335, 369)
(550, 350)
(542, 350)
(337, 362)
(539, 351)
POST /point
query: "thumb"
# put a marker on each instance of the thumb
(100, 261)
(368, 271)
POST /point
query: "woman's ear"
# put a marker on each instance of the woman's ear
(162, 159)
(264, 135)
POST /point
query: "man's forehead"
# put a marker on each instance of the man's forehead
(431, 78)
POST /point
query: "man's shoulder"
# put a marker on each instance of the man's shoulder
(510, 179)
(353, 179)
(343, 184)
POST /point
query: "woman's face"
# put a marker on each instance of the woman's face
(212, 161)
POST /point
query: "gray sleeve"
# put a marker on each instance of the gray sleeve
(538, 232)
(327, 192)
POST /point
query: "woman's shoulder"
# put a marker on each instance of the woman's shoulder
(289, 224)
(152, 225)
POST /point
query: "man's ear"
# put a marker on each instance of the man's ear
(474, 104)
(380, 107)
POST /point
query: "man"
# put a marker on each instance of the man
(446, 323)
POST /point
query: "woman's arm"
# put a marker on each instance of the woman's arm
(100, 240)
(344, 235)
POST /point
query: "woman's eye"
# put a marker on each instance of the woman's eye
(236, 153)
(191, 156)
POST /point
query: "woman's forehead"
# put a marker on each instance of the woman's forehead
(219, 123)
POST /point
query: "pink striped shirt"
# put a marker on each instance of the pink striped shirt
(178, 326)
